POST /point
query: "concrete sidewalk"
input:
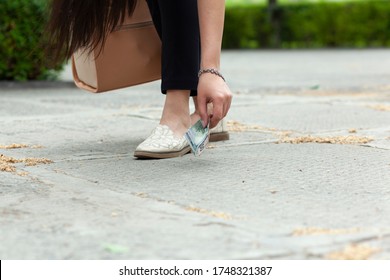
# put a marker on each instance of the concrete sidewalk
(305, 175)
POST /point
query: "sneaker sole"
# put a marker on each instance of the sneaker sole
(221, 136)
(154, 155)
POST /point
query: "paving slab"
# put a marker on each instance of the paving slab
(305, 174)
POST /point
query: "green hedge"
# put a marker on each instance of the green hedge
(309, 25)
(21, 51)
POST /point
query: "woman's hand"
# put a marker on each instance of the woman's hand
(212, 89)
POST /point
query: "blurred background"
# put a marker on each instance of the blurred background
(250, 24)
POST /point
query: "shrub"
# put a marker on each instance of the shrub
(22, 24)
(308, 25)
(246, 27)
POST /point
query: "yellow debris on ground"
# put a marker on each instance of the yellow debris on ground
(7, 164)
(353, 252)
(220, 215)
(380, 107)
(322, 231)
(13, 146)
(235, 126)
(350, 139)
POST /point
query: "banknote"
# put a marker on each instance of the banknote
(198, 137)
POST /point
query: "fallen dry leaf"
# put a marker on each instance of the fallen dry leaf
(353, 252)
(114, 248)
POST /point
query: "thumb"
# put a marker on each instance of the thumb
(202, 108)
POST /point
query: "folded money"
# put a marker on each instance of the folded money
(198, 137)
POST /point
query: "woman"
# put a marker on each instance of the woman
(191, 34)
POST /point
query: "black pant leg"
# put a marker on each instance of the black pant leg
(156, 16)
(178, 25)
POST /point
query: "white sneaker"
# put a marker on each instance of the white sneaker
(162, 143)
(220, 132)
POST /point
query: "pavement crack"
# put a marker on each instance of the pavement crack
(371, 238)
(88, 157)
(214, 224)
(137, 116)
(374, 147)
(211, 213)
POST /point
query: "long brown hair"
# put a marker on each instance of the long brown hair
(83, 23)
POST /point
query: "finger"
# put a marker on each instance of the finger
(225, 110)
(209, 108)
(227, 106)
(217, 114)
(202, 107)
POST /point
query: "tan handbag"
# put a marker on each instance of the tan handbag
(130, 56)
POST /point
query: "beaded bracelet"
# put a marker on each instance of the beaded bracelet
(212, 71)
